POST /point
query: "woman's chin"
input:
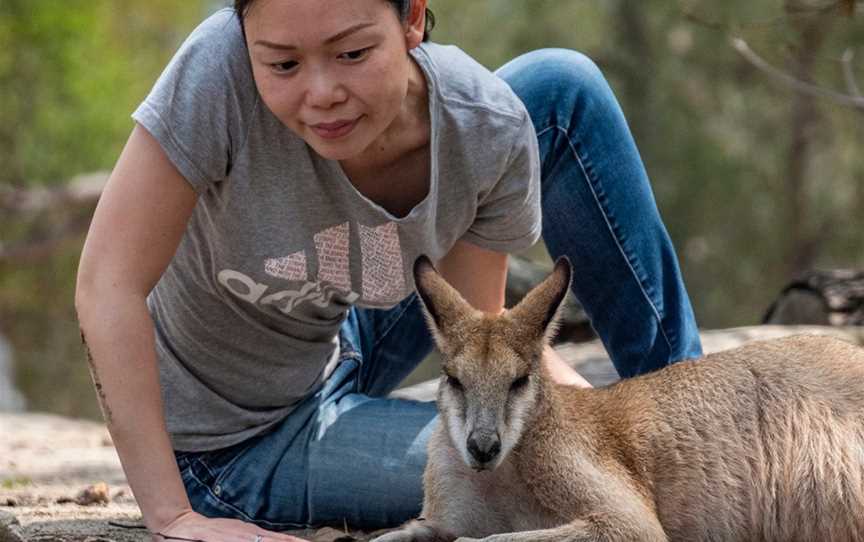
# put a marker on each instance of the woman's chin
(344, 147)
(334, 150)
(330, 153)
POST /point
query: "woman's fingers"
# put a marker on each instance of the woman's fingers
(194, 527)
(272, 536)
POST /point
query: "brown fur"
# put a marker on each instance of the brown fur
(759, 443)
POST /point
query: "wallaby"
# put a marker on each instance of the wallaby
(760, 443)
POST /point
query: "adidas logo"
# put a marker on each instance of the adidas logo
(382, 273)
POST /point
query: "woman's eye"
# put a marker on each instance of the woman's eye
(356, 55)
(283, 67)
(519, 383)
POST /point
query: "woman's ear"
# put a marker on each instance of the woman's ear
(416, 23)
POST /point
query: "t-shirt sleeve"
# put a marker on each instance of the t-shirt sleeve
(198, 107)
(508, 216)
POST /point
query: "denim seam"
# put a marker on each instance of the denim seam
(220, 478)
(389, 324)
(350, 354)
(279, 525)
(204, 466)
(548, 128)
(218, 501)
(612, 230)
(307, 459)
(227, 467)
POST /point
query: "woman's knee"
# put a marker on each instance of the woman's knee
(555, 78)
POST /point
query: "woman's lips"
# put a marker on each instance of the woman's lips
(334, 130)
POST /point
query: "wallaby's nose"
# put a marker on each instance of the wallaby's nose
(484, 446)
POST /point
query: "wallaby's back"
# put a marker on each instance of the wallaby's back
(763, 442)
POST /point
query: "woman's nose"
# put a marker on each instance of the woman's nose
(324, 91)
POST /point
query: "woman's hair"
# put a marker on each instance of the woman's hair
(402, 7)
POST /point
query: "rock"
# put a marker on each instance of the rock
(11, 399)
(9, 528)
(822, 297)
(8, 519)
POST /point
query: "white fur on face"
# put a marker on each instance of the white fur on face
(451, 408)
(511, 416)
(521, 404)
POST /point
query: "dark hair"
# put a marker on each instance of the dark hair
(403, 8)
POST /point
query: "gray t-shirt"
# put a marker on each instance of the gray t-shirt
(280, 244)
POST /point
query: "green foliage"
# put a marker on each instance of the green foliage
(18, 481)
(71, 72)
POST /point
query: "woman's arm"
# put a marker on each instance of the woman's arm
(137, 226)
(480, 275)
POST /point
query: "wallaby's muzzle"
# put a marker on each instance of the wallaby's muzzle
(484, 447)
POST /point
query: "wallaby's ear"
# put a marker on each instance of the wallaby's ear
(537, 314)
(444, 307)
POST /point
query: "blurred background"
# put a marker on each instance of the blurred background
(748, 114)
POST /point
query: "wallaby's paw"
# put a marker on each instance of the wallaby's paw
(417, 531)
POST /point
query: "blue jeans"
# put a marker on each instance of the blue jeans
(349, 453)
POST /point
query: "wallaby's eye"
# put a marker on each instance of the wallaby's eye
(454, 383)
(519, 383)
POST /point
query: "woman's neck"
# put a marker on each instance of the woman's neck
(409, 131)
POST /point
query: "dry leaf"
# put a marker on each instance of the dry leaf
(95, 494)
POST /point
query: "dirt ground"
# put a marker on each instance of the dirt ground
(47, 465)
(47, 462)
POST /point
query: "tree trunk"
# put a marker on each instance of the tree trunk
(636, 59)
(805, 234)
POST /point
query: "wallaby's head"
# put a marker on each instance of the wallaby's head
(492, 377)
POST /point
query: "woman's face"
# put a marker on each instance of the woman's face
(333, 71)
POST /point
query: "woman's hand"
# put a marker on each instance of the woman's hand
(192, 526)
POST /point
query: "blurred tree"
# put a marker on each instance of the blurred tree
(71, 72)
(805, 211)
(755, 181)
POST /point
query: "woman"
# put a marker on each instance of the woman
(245, 288)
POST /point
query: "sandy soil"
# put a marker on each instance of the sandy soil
(48, 462)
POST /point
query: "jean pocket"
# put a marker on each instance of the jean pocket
(211, 468)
